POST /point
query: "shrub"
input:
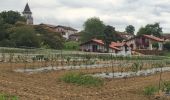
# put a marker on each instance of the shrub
(150, 90)
(81, 79)
(6, 97)
(135, 66)
(167, 87)
(167, 45)
(71, 45)
(7, 43)
(156, 45)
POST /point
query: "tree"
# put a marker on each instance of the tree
(93, 28)
(50, 38)
(108, 36)
(11, 17)
(2, 29)
(130, 29)
(25, 36)
(151, 29)
(117, 37)
(4, 34)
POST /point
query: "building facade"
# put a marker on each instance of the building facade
(146, 42)
(65, 31)
(75, 37)
(125, 36)
(115, 48)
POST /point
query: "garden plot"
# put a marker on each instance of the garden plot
(37, 63)
(35, 86)
(54, 68)
(132, 74)
(74, 63)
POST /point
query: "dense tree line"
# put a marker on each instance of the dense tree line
(15, 33)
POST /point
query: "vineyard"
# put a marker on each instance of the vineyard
(35, 74)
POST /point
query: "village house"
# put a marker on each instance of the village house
(75, 37)
(146, 42)
(63, 30)
(96, 45)
(125, 36)
(166, 37)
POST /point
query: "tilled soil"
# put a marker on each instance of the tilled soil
(47, 86)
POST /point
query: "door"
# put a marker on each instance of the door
(94, 48)
(132, 47)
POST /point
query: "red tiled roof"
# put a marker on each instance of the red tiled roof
(149, 37)
(116, 44)
(54, 26)
(113, 45)
(154, 38)
(66, 28)
(98, 41)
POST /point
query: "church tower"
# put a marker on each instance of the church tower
(28, 14)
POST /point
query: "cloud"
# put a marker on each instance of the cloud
(118, 13)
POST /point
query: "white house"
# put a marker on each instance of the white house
(95, 45)
(124, 35)
(65, 31)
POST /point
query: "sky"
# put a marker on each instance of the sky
(118, 13)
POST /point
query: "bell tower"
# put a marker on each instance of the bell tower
(28, 14)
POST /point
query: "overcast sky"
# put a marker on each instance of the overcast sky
(118, 13)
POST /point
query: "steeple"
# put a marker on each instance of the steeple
(27, 9)
(28, 14)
